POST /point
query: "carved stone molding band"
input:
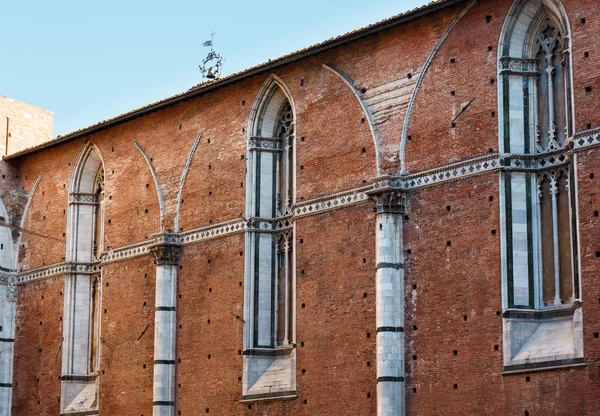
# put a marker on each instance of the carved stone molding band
(81, 198)
(520, 66)
(264, 144)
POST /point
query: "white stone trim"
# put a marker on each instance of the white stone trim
(586, 139)
(24, 220)
(184, 174)
(366, 110)
(161, 197)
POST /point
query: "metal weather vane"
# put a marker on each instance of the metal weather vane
(213, 63)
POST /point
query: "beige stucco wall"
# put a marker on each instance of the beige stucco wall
(27, 125)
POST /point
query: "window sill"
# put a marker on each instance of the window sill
(283, 395)
(541, 314)
(270, 352)
(79, 377)
(82, 413)
(544, 366)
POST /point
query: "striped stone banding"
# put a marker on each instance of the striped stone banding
(388, 379)
(390, 329)
(7, 340)
(166, 308)
(165, 362)
(6, 385)
(384, 265)
(163, 403)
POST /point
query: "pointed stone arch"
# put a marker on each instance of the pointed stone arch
(88, 162)
(264, 110)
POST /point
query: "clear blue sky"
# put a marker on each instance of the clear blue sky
(91, 60)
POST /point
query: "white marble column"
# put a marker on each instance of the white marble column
(8, 304)
(167, 254)
(390, 304)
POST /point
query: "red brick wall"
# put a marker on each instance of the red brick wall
(127, 337)
(37, 359)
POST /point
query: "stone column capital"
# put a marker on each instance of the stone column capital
(166, 248)
(388, 201)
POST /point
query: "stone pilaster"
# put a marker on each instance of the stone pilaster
(8, 304)
(167, 252)
(390, 303)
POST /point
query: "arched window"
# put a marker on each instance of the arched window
(535, 72)
(269, 272)
(81, 323)
(538, 199)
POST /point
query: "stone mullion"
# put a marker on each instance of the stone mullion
(554, 192)
(249, 281)
(287, 272)
(165, 325)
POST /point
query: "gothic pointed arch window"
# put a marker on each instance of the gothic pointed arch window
(81, 323)
(538, 198)
(269, 302)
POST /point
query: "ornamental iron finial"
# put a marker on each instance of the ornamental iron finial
(213, 63)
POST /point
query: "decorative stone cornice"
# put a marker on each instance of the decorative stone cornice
(331, 202)
(122, 253)
(166, 248)
(454, 171)
(213, 231)
(586, 139)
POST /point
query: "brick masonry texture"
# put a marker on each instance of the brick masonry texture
(453, 292)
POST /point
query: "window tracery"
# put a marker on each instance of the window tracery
(537, 121)
(540, 268)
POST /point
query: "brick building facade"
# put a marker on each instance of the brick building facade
(399, 221)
